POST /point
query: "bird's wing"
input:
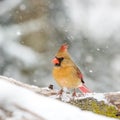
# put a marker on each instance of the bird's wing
(80, 74)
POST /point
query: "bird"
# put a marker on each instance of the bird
(66, 73)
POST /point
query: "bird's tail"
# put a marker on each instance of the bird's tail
(84, 89)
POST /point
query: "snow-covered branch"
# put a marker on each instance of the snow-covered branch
(20, 101)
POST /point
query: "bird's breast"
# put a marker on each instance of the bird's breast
(66, 77)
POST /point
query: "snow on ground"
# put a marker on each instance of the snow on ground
(97, 96)
(48, 108)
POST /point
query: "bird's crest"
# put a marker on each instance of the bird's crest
(64, 47)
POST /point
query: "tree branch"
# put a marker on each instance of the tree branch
(107, 104)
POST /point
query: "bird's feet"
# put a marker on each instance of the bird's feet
(74, 95)
(64, 95)
(60, 93)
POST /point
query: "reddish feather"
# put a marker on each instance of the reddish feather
(64, 47)
(80, 75)
(84, 89)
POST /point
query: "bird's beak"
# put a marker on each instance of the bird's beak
(55, 61)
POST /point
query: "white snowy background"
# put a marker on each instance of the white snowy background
(31, 32)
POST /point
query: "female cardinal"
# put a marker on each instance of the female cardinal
(66, 73)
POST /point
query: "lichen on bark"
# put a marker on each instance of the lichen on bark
(99, 107)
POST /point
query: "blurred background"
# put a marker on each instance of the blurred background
(31, 32)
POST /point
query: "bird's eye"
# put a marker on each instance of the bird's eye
(60, 59)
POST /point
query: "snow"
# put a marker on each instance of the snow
(90, 15)
(90, 71)
(47, 108)
(22, 7)
(29, 57)
(97, 96)
(18, 33)
(116, 63)
(7, 5)
(98, 49)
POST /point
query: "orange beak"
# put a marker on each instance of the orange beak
(55, 61)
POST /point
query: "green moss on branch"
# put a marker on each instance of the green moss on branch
(99, 107)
